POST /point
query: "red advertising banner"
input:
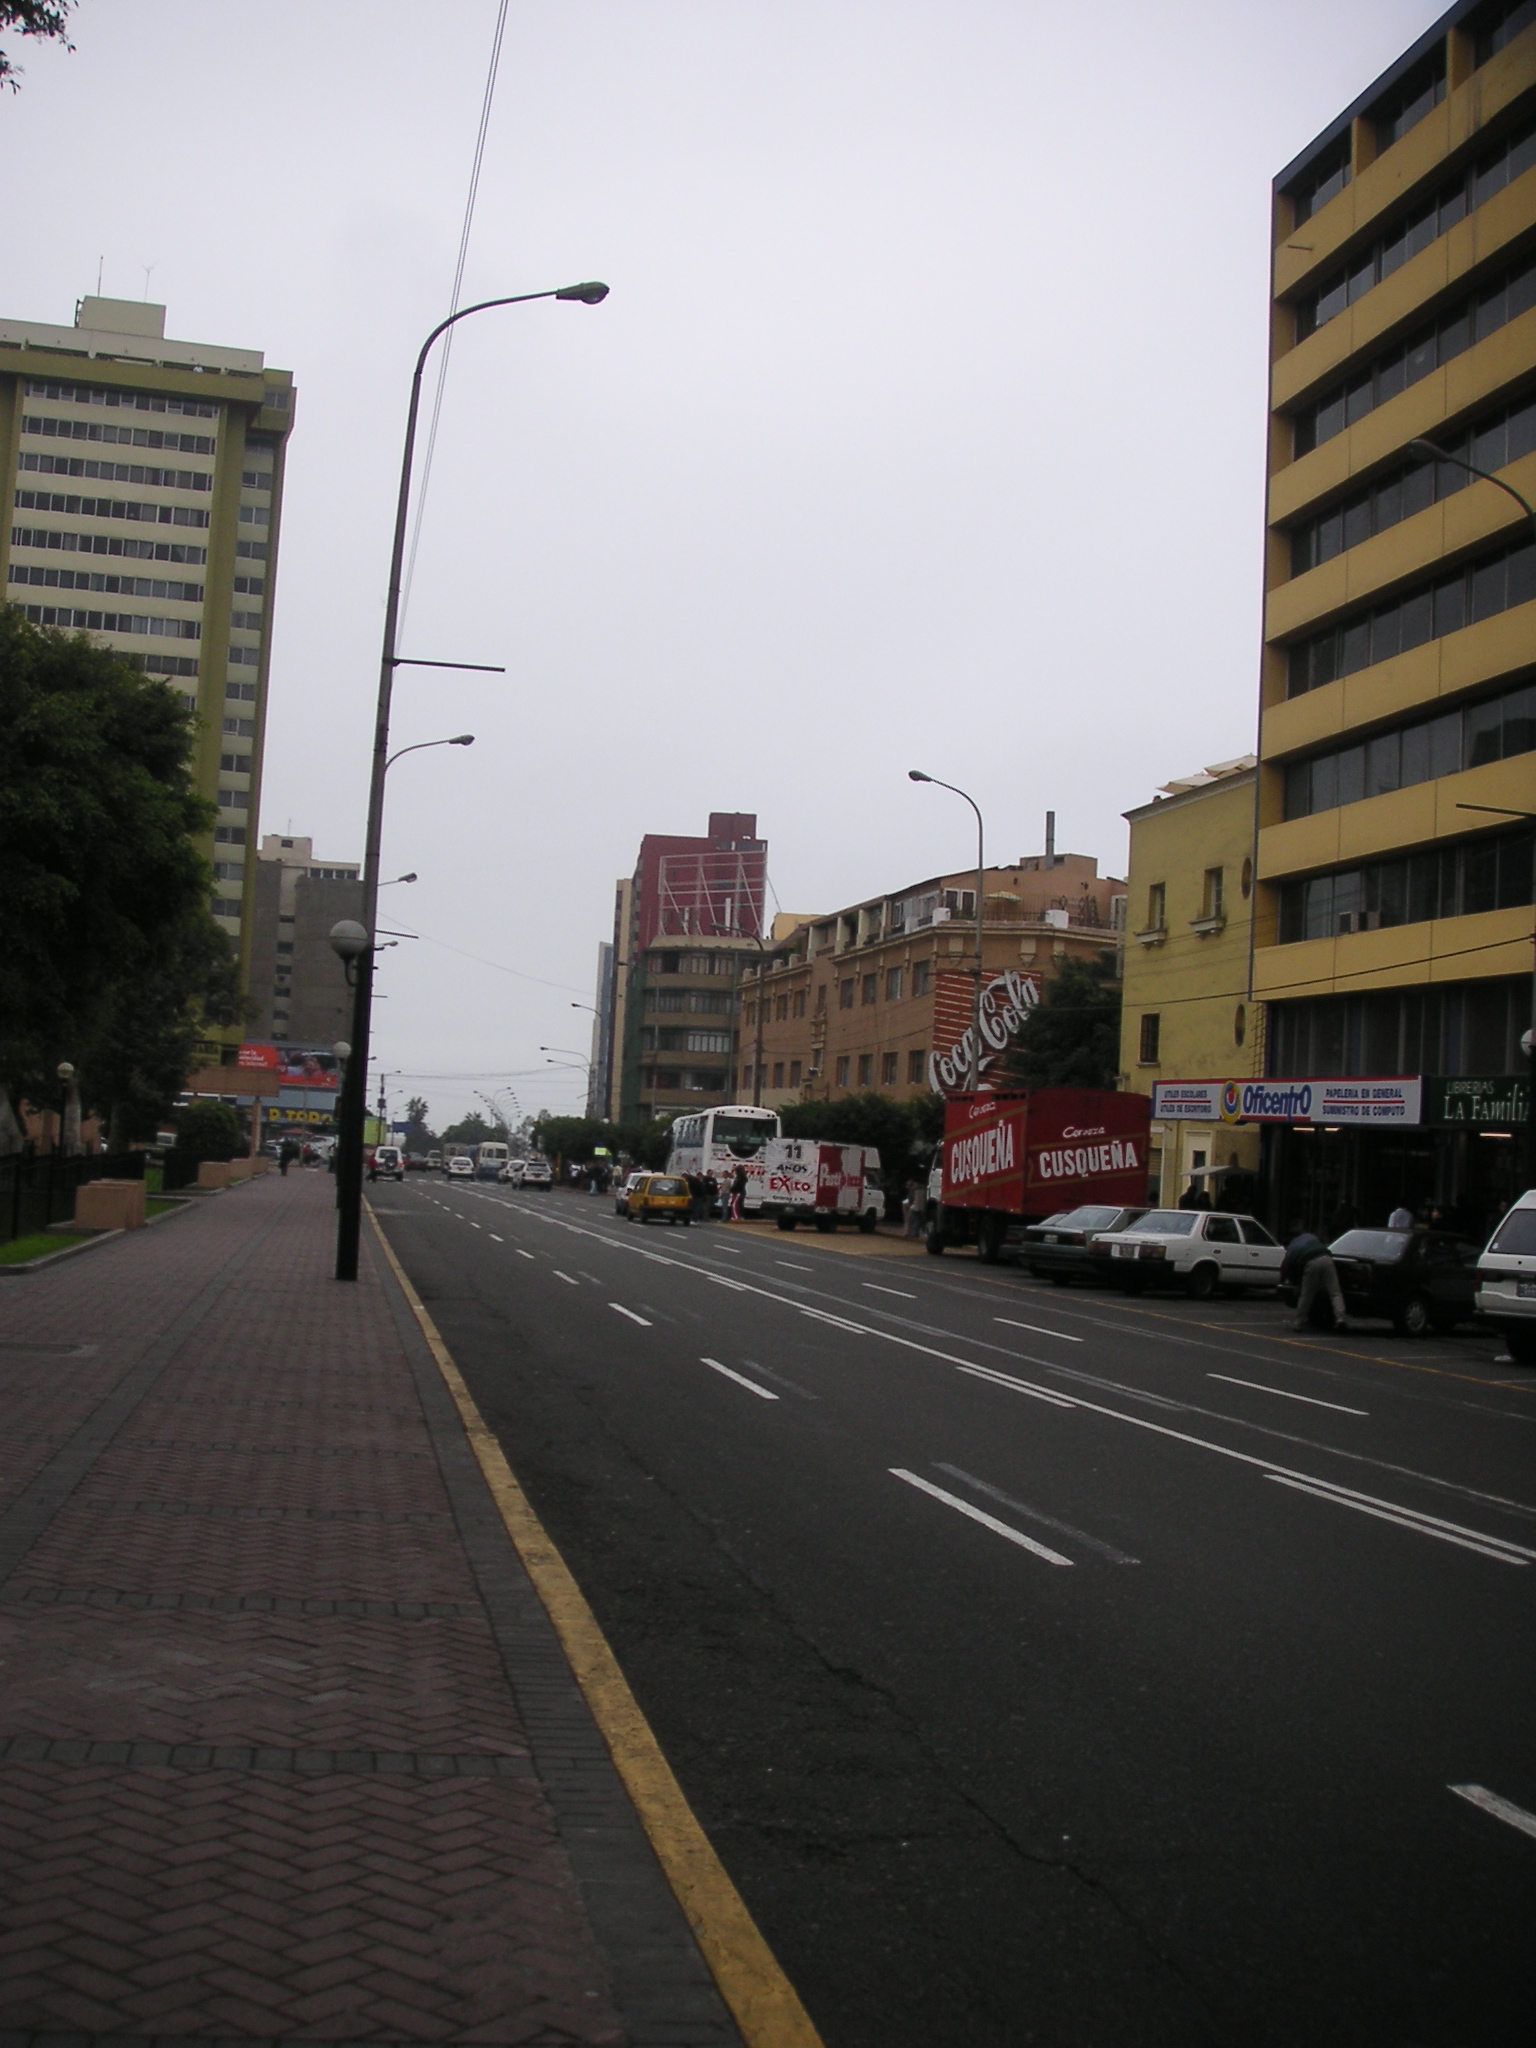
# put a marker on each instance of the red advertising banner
(1031, 1154)
(1005, 1000)
(295, 1066)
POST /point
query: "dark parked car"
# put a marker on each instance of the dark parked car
(416, 1162)
(1418, 1280)
(1057, 1249)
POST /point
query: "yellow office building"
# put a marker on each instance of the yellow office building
(1393, 908)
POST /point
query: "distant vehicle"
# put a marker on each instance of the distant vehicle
(1418, 1280)
(1199, 1249)
(490, 1158)
(435, 1161)
(1009, 1161)
(416, 1162)
(1506, 1277)
(623, 1192)
(511, 1173)
(1059, 1249)
(536, 1173)
(461, 1167)
(389, 1162)
(717, 1141)
(807, 1180)
(661, 1196)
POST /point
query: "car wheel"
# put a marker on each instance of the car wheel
(686, 1221)
(786, 1223)
(1522, 1346)
(989, 1240)
(1203, 1281)
(868, 1221)
(1060, 1279)
(826, 1225)
(933, 1238)
(1413, 1318)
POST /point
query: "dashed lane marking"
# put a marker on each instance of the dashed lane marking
(1034, 1515)
(1501, 1809)
(963, 1507)
(741, 1379)
(1286, 1395)
(494, 1238)
(1039, 1329)
(566, 1278)
(623, 1311)
(1410, 1518)
(900, 1292)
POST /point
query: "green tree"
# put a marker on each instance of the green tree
(209, 1130)
(419, 1135)
(1071, 1039)
(32, 18)
(474, 1130)
(104, 913)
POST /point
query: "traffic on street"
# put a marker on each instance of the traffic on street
(1101, 1668)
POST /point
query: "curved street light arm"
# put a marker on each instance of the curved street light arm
(917, 775)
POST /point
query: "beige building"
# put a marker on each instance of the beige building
(144, 478)
(297, 985)
(1394, 900)
(1187, 1014)
(880, 994)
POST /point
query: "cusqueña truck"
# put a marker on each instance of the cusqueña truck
(1010, 1160)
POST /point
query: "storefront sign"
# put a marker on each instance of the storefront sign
(1496, 1099)
(1365, 1099)
(296, 1066)
(1005, 1002)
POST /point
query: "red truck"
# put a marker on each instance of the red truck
(1010, 1160)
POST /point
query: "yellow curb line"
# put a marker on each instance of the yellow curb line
(761, 1998)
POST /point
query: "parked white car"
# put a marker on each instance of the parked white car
(1506, 1280)
(1199, 1250)
(461, 1167)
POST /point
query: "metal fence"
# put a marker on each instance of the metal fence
(37, 1191)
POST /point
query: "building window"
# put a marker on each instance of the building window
(1239, 1024)
(1410, 99)
(794, 1073)
(1495, 730)
(842, 1070)
(1501, 298)
(708, 1041)
(893, 984)
(1448, 1028)
(845, 995)
(1247, 881)
(1500, 24)
(922, 977)
(1323, 179)
(1151, 1033)
(1157, 907)
(1482, 588)
(866, 1069)
(1489, 873)
(781, 1010)
(821, 999)
(887, 1070)
(1211, 895)
(917, 1063)
(870, 989)
(778, 1073)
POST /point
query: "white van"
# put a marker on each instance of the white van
(1506, 1280)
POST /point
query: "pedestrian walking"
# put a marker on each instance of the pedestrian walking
(711, 1194)
(287, 1152)
(1401, 1218)
(738, 1193)
(916, 1205)
(1309, 1267)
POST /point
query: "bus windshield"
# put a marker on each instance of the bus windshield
(743, 1135)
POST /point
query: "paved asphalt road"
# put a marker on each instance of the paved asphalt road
(1046, 1667)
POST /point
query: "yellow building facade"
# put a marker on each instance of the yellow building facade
(1394, 874)
(1187, 1014)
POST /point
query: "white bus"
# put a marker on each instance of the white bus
(489, 1160)
(717, 1141)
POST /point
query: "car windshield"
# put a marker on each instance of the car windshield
(1516, 1235)
(1164, 1223)
(1084, 1219)
(662, 1185)
(1381, 1245)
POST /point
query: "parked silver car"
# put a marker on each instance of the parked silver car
(1199, 1250)
(1506, 1280)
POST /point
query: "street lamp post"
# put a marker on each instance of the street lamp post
(917, 775)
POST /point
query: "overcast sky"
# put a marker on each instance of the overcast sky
(924, 425)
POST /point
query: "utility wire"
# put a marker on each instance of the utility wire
(458, 287)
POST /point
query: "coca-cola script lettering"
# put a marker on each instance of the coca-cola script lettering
(1005, 1001)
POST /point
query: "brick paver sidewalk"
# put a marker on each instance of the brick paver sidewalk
(288, 1748)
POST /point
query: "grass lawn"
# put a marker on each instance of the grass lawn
(155, 1206)
(31, 1247)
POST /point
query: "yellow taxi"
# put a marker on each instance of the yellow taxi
(658, 1195)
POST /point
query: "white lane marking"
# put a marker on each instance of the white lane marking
(472, 1224)
(741, 1379)
(793, 1267)
(1425, 1525)
(821, 1315)
(522, 1254)
(1285, 1395)
(736, 1286)
(1501, 1809)
(875, 1288)
(494, 1238)
(1039, 1330)
(566, 1278)
(623, 1311)
(1034, 1515)
(1003, 1379)
(953, 1500)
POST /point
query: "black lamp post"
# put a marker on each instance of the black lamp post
(349, 1172)
(917, 775)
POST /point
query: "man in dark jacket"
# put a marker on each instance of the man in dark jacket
(1311, 1271)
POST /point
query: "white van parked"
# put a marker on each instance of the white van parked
(1506, 1280)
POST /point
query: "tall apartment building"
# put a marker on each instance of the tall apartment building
(297, 984)
(683, 925)
(145, 477)
(1393, 924)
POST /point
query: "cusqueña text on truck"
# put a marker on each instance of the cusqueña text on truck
(1011, 1160)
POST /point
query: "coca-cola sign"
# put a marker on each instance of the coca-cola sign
(1005, 1002)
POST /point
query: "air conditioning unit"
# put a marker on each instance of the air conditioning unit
(941, 915)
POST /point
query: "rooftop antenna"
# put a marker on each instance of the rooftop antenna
(100, 265)
(1050, 839)
(147, 269)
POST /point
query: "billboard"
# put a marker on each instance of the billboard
(1004, 1002)
(296, 1066)
(1354, 1099)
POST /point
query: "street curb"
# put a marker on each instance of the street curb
(69, 1251)
(761, 1999)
